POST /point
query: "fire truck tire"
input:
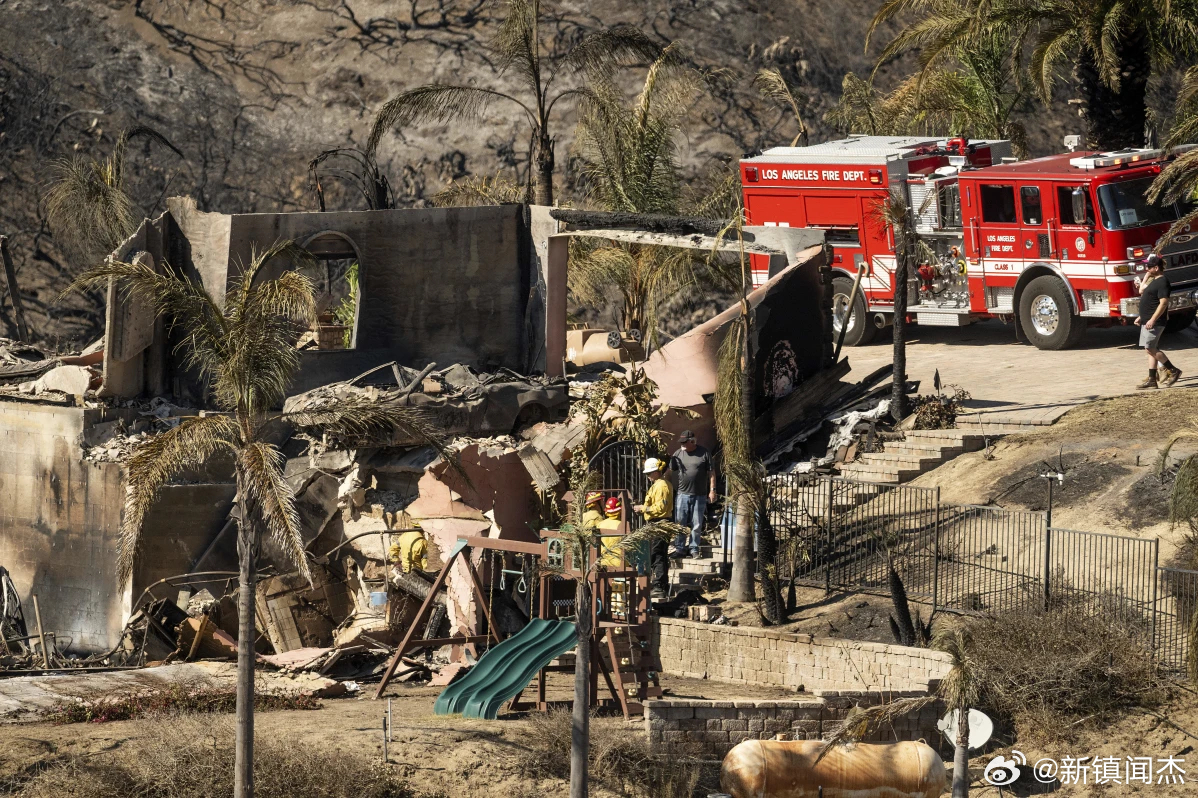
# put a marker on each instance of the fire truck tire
(861, 329)
(1179, 321)
(1046, 314)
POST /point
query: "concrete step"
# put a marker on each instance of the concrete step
(873, 473)
(927, 449)
(946, 437)
(995, 429)
(920, 460)
(688, 565)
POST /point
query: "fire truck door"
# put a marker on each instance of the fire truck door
(1000, 231)
(1074, 234)
(1035, 243)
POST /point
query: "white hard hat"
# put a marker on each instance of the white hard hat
(653, 464)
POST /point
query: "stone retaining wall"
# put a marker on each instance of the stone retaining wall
(709, 729)
(749, 655)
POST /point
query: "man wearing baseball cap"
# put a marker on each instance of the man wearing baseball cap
(659, 501)
(696, 487)
(1154, 309)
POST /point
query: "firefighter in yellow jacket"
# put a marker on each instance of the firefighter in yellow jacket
(410, 552)
(658, 506)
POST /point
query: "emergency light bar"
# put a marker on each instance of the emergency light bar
(1119, 158)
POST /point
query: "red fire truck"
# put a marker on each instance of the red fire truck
(1052, 244)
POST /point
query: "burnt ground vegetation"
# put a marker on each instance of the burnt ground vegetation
(1085, 476)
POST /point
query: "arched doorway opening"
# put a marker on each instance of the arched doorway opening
(336, 273)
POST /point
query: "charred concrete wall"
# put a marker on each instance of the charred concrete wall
(450, 285)
(59, 518)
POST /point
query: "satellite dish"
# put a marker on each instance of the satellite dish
(614, 340)
(981, 728)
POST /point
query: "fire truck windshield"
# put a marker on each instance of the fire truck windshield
(1124, 205)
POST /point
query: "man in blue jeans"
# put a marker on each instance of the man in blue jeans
(696, 487)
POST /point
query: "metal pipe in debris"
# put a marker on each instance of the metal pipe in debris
(41, 633)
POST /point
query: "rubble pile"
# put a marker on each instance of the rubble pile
(114, 441)
(458, 400)
(28, 370)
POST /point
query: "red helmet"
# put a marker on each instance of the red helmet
(612, 506)
(593, 497)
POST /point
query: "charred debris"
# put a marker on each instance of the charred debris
(483, 350)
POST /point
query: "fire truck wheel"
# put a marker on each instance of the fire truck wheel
(1046, 314)
(861, 328)
(1179, 321)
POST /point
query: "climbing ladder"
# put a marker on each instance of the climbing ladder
(626, 657)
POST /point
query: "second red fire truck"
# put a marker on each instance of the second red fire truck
(1052, 244)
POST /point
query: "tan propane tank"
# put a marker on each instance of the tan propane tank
(787, 769)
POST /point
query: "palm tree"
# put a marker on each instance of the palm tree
(1114, 45)
(541, 66)
(773, 86)
(87, 203)
(895, 213)
(750, 489)
(628, 161)
(959, 690)
(1178, 182)
(246, 350)
(975, 95)
(733, 410)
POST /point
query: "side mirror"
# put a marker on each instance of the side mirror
(1079, 205)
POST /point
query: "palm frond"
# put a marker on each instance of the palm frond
(261, 466)
(960, 687)
(87, 205)
(469, 191)
(516, 44)
(187, 306)
(860, 721)
(729, 420)
(263, 318)
(601, 52)
(1185, 125)
(437, 102)
(858, 109)
(773, 85)
(355, 419)
(90, 216)
(652, 531)
(152, 465)
(122, 143)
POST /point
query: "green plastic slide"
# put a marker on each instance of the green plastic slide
(506, 669)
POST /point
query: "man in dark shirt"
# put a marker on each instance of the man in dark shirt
(696, 487)
(1154, 309)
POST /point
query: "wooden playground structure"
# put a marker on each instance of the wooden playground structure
(621, 645)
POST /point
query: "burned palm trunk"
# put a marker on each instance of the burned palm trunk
(961, 755)
(741, 587)
(248, 543)
(580, 731)
(544, 182)
(898, 399)
(767, 567)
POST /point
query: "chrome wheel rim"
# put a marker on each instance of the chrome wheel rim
(1046, 317)
(840, 309)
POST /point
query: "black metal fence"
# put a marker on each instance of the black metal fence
(845, 534)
